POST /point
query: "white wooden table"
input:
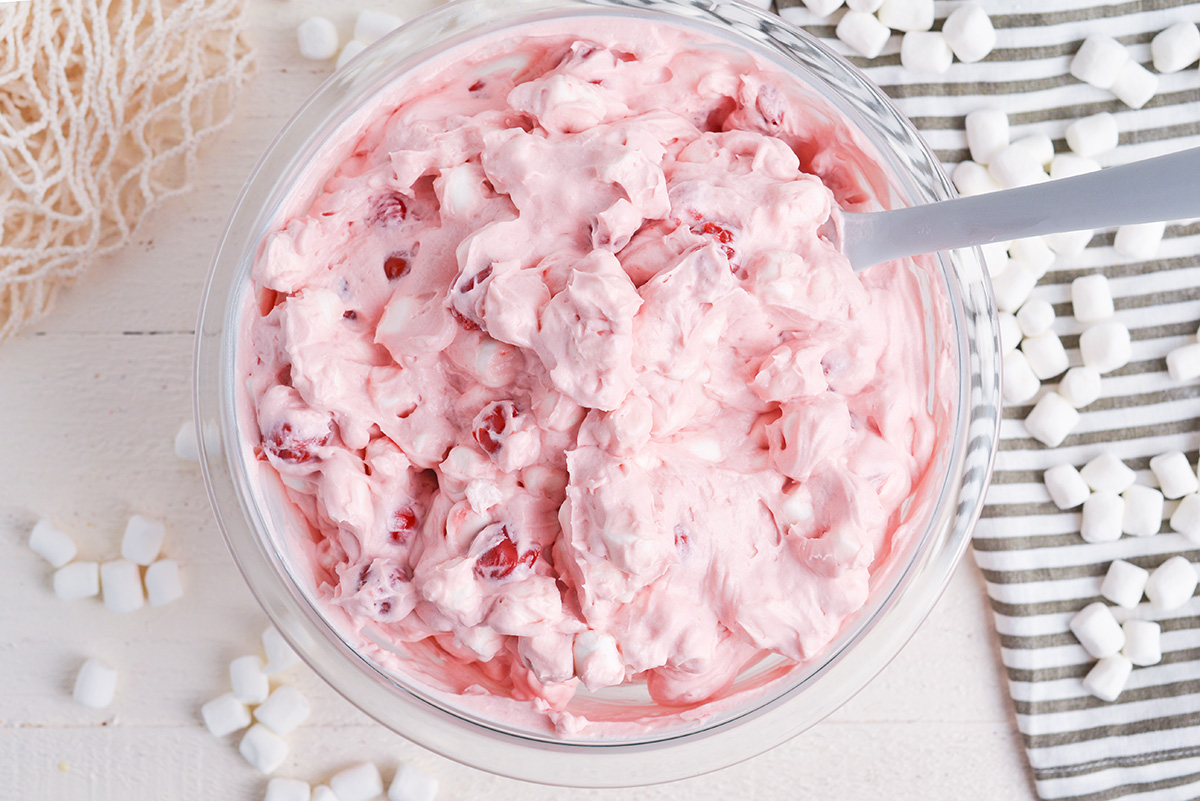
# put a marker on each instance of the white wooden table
(90, 400)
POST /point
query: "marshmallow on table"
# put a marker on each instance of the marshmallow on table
(1106, 347)
(1107, 473)
(1175, 474)
(412, 784)
(995, 257)
(317, 38)
(77, 580)
(864, 34)
(225, 714)
(1034, 253)
(1171, 584)
(263, 749)
(1139, 241)
(143, 540)
(1066, 487)
(1107, 677)
(969, 32)
(162, 582)
(1098, 61)
(52, 544)
(1143, 642)
(186, 446)
(822, 8)
(1091, 298)
(1186, 517)
(1010, 332)
(1093, 135)
(1135, 84)
(1183, 363)
(250, 685)
(280, 655)
(323, 793)
(1051, 420)
(288, 790)
(349, 50)
(865, 6)
(1175, 48)
(906, 15)
(1080, 386)
(360, 782)
(1069, 243)
(1046, 354)
(121, 584)
(284, 710)
(987, 134)
(1013, 286)
(373, 25)
(1016, 166)
(1035, 317)
(971, 178)
(1143, 511)
(925, 52)
(1039, 146)
(1068, 165)
(1103, 513)
(1019, 382)
(1124, 584)
(1097, 630)
(95, 684)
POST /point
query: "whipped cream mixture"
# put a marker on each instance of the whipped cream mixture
(568, 389)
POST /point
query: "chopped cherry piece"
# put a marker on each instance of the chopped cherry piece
(404, 523)
(395, 266)
(475, 280)
(466, 322)
(350, 314)
(682, 542)
(287, 446)
(475, 87)
(502, 558)
(388, 210)
(718, 232)
(491, 424)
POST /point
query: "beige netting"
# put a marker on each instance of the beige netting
(103, 104)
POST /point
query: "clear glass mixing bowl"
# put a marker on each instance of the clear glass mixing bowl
(254, 517)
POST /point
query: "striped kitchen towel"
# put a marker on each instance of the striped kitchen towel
(1038, 570)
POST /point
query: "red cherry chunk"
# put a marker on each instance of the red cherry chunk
(502, 559)
(475, 280)
(388, 210)
(285, 444)
(395, 266)
(492, 423)
(403, 524)
(718, 232)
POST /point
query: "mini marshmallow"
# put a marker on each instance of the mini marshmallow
(1143, 511)
(121, 583)
(186, 445)
(1068, 165)
(264, 750)
(1175, 48)
(1035, 317)
(969, 32)
(288, 790)
(1186, 517)
(1066, 487)
(77, 580)
(95, 684)
(323, 793)
(1016, 166)
(987, 134)
(373, 25)
(1135, 84)
(1143, 642)
(1051, 420)
(1019, 382)
(906, 15)
(1124, 583)
(822, 8)
(995, 257)
(284, 710)
(1034, 253)
(1171, 584)
(1080, 386)
(1175, 474)
(1098, 61)
(1139, 241)
(1010, 332)
(1069, 244)
(360, 782)
(1039, 146)
(225, 715)
(1183, 363)
(349, 50)
(1091, 298)
(250, 685)
(52, 544)
(865, 6)
(925, 52)
(1097, 630)
(1107, 677)
(280, 655)
(162, 582)
(1103, 513)
(1107, 473)
(317, 38)
(412, 784)
(1106, 347)
(1013, 286)
(1093, 135)
(1046, 354)
(971, 178)
(143, 540)
(863, 33)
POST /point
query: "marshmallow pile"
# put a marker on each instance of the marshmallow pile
(1104, 63)
(361, 782)
(317, 37)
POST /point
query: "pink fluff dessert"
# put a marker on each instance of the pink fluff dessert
(569, 393)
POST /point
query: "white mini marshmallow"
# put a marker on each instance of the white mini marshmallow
(906, 15)
(1108, 677)
(1013, 286)
(143, 540)
(1186, 517)
(51, 543)
(1099, 60)
(1019, 382)
(1124, 583)
(822, 8)
(995, 257)
(250, 685)
(1107, 473)
(280, 655)
(77, 580)
(925, 52)
(1139, 241)
(969, 32)
(412, 784)
(1143, 511)
(1016, 166)
(1097, 630)
(1010, 332)
(971, 178)
(1051, 420)
(1175, 474)
(1135, 85)
(95, 684)
(1039, 146)
(162, 582)
(1069, 244)
(360, 782)
(284, 710)
(1171, 584)
(863, 33)
(1091, 298)
(1068, 165)
(317, 38)
(1183, 363)
(263, 749)
(1143, 642)
(1046, 354)
(349, 50)
(121, 583)
(1035, 317)
(288, 790)
(1106, 347)
(1066, 487)
(1176, 48)
(373, 25)
(186, 446)
(1103, 513)
(1093, 135)
(1080, 386)
(323, 793)
(225, 715)
(865, 6)
(1034, 253)
(987, 134)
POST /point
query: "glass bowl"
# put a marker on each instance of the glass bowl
(780, 699)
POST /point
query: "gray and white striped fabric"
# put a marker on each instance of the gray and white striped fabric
(1039, 572)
